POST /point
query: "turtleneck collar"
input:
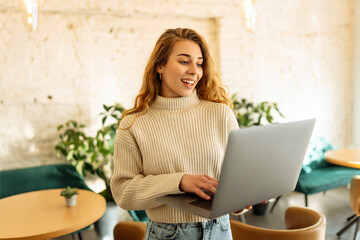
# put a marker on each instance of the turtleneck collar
(175, 103)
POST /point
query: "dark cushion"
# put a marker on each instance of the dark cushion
(38, 178)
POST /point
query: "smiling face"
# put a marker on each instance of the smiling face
(183, 70)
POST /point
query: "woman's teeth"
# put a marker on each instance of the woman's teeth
(188, 81)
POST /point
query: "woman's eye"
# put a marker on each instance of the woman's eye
(184, 62)
(199, 64)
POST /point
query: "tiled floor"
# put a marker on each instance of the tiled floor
(334, 204)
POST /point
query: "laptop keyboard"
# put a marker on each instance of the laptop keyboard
(206, 204)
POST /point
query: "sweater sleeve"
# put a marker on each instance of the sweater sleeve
(231, 120)
(130, 188)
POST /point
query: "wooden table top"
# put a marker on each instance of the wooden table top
(346, 157)
(43, 214)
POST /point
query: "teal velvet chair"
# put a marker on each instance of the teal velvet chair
(24, 180)
(139, 215)
(318, 175)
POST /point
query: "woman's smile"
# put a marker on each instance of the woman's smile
(188, 82)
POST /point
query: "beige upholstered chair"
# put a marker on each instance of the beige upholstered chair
(355, 204)
(301, 224)
(130, 231)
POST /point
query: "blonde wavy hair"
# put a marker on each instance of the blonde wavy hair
(208, 88)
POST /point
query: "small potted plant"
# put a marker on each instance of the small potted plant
(70, 196)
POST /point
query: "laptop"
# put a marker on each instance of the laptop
(260, 163)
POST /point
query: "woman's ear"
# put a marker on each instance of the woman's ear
(159, 69)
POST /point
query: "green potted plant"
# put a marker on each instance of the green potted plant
(91, 154)
(249, 114)
(70, 196)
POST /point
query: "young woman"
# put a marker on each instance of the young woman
(173, 140)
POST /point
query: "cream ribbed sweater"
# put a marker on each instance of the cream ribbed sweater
(176, 136)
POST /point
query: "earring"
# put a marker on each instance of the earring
(160, 76)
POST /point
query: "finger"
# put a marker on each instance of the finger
(210, 178)
(214, 183)
(264, 202)
(242, 211)
(201, 194)
(249, 207)
(207, 187)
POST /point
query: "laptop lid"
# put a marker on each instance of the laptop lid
(261, 163)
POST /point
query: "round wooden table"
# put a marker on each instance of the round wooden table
(43, 214)
(346, 157)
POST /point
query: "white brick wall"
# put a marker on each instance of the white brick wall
(300, 57)
(356, 76)
(87, 53)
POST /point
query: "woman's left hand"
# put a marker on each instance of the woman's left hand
(244, 210)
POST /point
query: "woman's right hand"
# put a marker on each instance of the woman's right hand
(197, 183)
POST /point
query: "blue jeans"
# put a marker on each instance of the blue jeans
(215, 229)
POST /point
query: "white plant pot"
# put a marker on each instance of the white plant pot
(70, 202)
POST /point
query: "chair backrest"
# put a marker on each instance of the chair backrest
(23, 180)
(130, 231)
(301, 223)
(355, 194)
(315, 154)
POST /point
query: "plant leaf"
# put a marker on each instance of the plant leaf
(107, 108)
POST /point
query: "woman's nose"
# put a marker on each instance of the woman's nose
(193, 69)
